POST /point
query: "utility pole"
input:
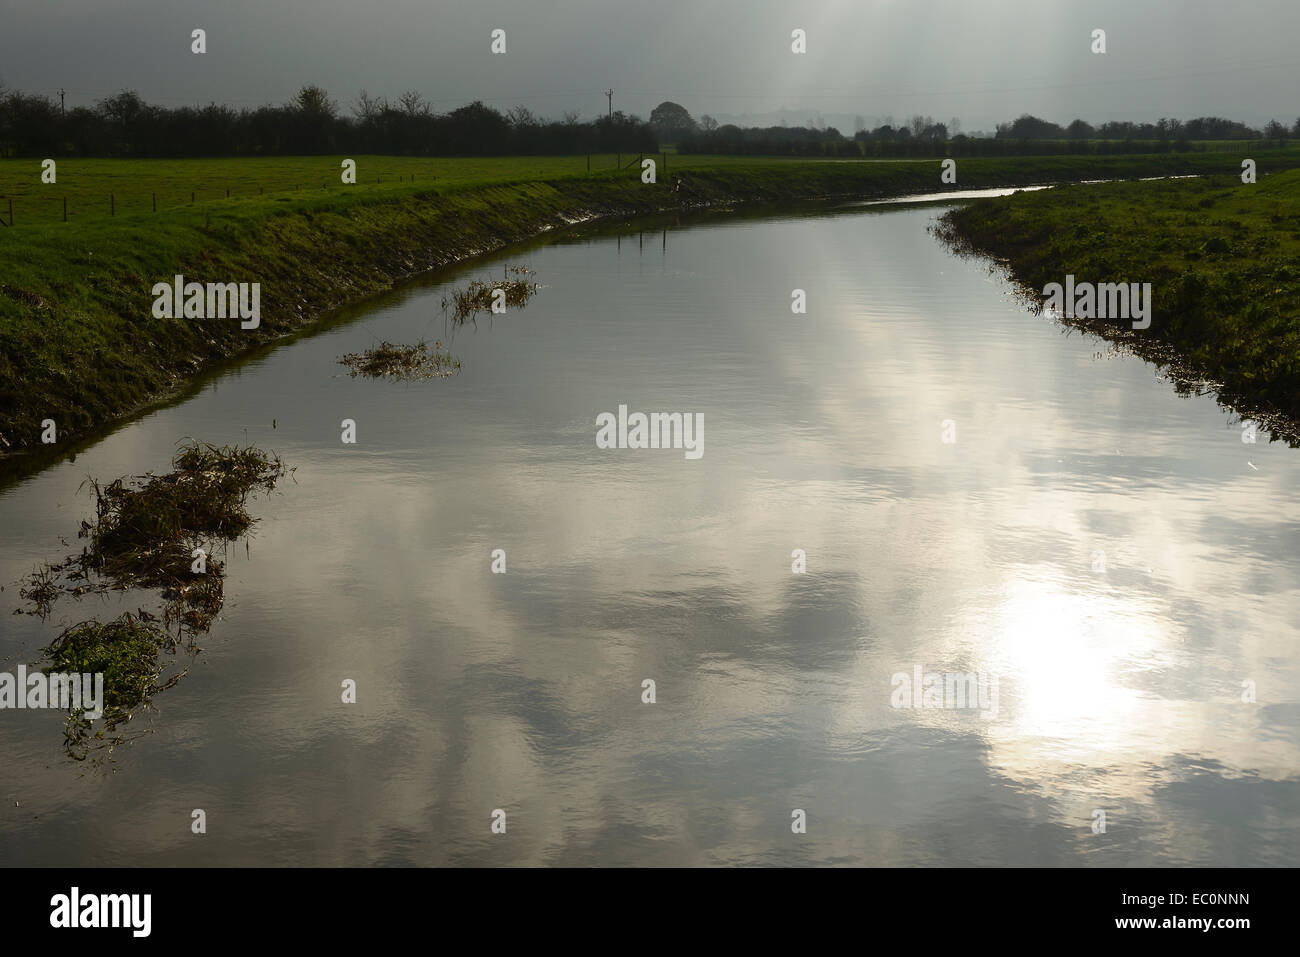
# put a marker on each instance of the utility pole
(62, 94)
(609, 94)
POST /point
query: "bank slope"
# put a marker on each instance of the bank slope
(79, 343)
(1222, 257)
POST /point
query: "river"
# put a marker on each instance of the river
(915, 476)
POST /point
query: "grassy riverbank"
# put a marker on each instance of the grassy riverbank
(79, 344)
(1223, 259)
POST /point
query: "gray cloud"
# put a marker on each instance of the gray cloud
(983, 62)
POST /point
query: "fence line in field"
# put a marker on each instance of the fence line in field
(110, 198)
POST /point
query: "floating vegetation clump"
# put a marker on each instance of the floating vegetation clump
(514, 289)
(145, 534)
(126, 651)
(41, 589)
(157, 532)
(193, 604)
(419, 361)
(160, 531)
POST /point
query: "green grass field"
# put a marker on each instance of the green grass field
(100, 188)
(78, 342)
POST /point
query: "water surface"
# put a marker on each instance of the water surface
(1112, 553)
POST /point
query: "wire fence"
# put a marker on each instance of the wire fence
(33, 206)
(63, 207)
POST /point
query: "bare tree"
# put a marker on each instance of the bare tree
(368, 107)
(521, 116)
(313, 100)
(123, 108)
(413, 104)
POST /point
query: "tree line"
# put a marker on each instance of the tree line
(923, 136)
(124, 125)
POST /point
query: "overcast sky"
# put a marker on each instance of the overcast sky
(983, 61)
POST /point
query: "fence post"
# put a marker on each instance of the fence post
(227, 192)
(618, 163)
(65, 209)
(154, 198)
(11, 210)
(588, 162)
(191, 197)
(112, 205)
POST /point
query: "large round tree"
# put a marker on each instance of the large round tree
(671, 121)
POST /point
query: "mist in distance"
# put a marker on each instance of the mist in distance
(984, 63)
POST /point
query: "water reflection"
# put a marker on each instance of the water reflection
(1120, 681)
